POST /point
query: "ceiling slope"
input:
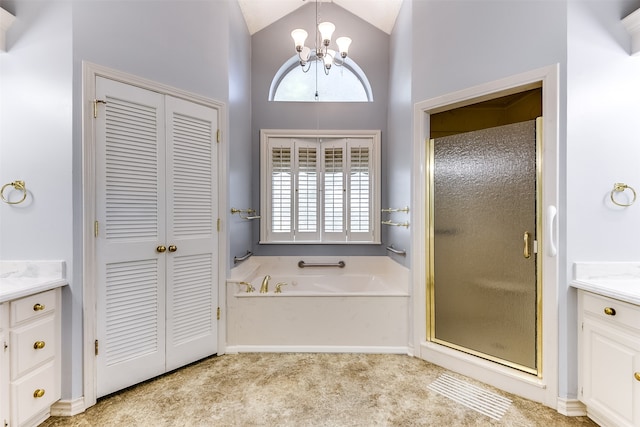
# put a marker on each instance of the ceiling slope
(259, 14)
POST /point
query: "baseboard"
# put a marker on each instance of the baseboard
(571, 407)
(232, 349)
(68, 408)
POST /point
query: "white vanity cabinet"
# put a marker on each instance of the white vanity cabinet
(609, 359)
(33, 357)
(4, 367)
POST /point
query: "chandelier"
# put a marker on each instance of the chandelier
(321, 52)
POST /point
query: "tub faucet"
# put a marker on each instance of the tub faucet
(264, 288)
(249, 286)
(279, 287)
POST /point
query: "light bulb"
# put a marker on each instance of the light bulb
(326, 31)
(299, 36)
(328, 58)
(343, 45)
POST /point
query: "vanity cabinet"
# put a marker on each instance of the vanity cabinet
(30, 360)
(4, 367)
(609, 361)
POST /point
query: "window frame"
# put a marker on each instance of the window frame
(321, 139)
(294, 62)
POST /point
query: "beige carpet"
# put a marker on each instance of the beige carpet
(304, 390)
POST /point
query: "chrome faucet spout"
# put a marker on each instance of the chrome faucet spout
(264, 288)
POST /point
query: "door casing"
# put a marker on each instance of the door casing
(542, 389)
(90, 72)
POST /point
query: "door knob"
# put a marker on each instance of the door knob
(173, 248)
(38, 345)
(161, 248)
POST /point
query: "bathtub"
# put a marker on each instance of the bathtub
(362, 307)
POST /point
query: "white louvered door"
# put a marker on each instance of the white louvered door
(155, 189)
(192, 206)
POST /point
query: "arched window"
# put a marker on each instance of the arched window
(345, 83)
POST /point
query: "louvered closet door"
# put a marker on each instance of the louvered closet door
(130, 210)
(191, 232)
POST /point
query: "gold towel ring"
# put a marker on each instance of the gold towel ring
(619, 187)
(17, 185)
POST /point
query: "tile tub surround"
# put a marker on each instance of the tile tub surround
(22, 278)
(619, 280)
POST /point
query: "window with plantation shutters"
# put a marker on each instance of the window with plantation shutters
(320, 188)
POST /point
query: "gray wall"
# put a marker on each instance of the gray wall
(191, 45)
(370, 50)
(240, 143)
(398, 158)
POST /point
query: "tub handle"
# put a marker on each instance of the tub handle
(279, 287)
(303, 264)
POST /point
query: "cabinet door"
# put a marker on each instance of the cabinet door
(4, 376)
(610, 359)
(130, 282)
(192, 238)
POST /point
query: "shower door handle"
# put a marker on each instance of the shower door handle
(526, 252)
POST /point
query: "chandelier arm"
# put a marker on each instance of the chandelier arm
(308, 66)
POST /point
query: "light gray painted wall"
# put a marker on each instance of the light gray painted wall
(240, 144)
(370, 50)
(603, 106)
(36, 133)
(460, 44)
(398, 159)
(183, 43)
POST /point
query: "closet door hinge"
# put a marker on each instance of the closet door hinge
(218, 224)
(218, 314)
(96, 227)
(96, 347)
(5, 346)
(218, 135)
(95, 106)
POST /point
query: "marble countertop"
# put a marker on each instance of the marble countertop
(21, 278)
(619, 280)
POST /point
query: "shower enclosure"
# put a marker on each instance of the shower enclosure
(484, 293)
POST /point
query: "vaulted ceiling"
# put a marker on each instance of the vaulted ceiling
(259, 14)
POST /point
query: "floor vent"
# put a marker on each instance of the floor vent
(487, 403)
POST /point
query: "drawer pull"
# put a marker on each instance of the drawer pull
(38, 393)
(637, 376)
(38, 307)
(609, 311)
(38, 345)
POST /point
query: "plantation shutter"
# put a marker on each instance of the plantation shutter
(334, 190)
(360, 190)
(320, 189)
(307, 195)
(280, 202)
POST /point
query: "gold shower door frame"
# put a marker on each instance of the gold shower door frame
(537, 253)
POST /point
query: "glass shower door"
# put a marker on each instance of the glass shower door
(483, 272)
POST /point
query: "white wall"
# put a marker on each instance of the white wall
(603, 106)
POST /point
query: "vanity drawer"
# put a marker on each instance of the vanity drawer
(32, 345)
(611, 310)
(32, 306)
(34, 393)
